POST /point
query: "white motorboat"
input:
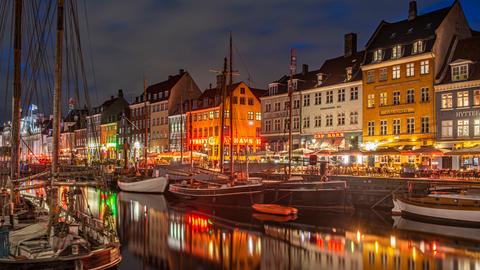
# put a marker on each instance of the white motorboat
(144, 185)
(459, 208)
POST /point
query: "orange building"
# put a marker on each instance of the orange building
(108, 140)
(204, 122)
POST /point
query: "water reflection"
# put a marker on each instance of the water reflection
(157, 234)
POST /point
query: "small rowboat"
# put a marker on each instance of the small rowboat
(275, 218)
(275, 209)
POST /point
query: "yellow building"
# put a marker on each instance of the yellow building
(402, 63)
(204, 128)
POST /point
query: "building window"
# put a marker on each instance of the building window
(410, 125)
(410, 96)
(397, 51)
(463, 127)
(396, 98)
(354, 93)
(329, 96)
(242, 90)
(306, 122)
(341, 95)
(329, 120)
(378, 55)
(276, 124)
(272, 89)
(371, 76)
(268, 125)
(417, 47)
(447, 101)
(371, 100)
(318, 98)
(242, 100)
(318, 121)
(410, 69)
(341, 119)
(258, 116)
(348, 72)
(277, 106)
(383, 127)
(460, 72)
(211, 115)
(296, 103)
(476, 97)
(476, 127)
(383, 75)
(353, 118)
(462, 99)
(396, 72)
(306, 100)
(217, 114)
(424, 67)
(425, 94)
(383, 99)
(371, 128)
(296, 123)
(250, 101)
(396, 126)
(216, 130)
(425, 124)
(268, 107)
(250, 116)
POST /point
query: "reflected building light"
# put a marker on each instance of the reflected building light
(393, 241)
(422, 246)
(359, 235)
(250, 245)
(352, 247)
(376, 246)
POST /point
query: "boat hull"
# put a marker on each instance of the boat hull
(239, 196)
(319, 195)
(437, 214)
(153, 185)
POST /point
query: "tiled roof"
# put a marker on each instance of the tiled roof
(213, 95)
(161, 88)
(405, 33)
(466, 49)
(334, 69)
(305, 80)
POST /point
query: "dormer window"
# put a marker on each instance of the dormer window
(348, 72)
(460, 72)
(378, 55)
(418, 47)
(320, 78)
(397, 51)
(272, 89)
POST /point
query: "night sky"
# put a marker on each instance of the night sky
(158, 37)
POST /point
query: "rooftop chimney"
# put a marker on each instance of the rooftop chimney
(350, 44)
(304, 69)
(120, 93)
(111, 97)
(181, 71)
(412, 10)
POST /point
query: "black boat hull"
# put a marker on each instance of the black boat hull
(318, 195)
(238, 196)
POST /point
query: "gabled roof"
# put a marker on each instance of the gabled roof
(162, 89)
(213, 95)
(466, 50)
(334, 69)
(407, 31)
(305, 80)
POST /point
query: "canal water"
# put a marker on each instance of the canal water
(159, 232)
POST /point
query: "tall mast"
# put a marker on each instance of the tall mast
(147, 114)
(222, 114)
(17, 92)
(189, 130)
(230, 90)
(57, 94)
(181, 130)
(290, 96)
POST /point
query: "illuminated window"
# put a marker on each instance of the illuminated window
(371, 100)
(383, 127)
(396, 72)
(396, 126)
(462, 99)
(371, 128)
(418, 47)
(424, 67)
(476, 97)
(258, 116)
(476, 127)
(250, 116)
(383, 99)
(447, 101)
(463, 127)
(397, 51)
(410, 69)
(378, 55)
(211, 115)
(460, 72)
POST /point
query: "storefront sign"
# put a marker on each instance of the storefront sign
(329, 135)
(397, 111)
(467, 113)
(241, 140)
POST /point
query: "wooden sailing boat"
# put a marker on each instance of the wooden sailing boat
(218, 191)
(66, 238)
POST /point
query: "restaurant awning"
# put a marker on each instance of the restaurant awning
(429, 151)
(384, 152)
(466, 151)
(350, 152)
